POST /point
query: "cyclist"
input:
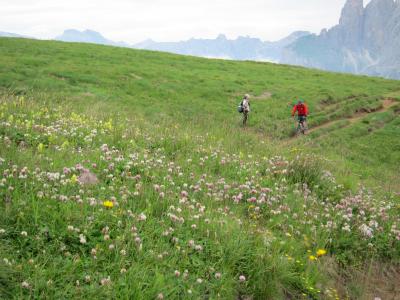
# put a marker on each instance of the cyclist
(302, 113)
(246, 108)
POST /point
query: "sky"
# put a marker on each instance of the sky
(133, 21)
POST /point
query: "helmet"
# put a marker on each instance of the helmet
(247, 96)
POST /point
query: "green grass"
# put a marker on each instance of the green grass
(163, 137)
(197, 93)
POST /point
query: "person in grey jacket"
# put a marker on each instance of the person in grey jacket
(246, 108)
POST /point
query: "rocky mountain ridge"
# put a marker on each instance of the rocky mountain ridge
(366, 41)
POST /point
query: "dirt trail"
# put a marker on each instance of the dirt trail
(264, 96)
(386, 105)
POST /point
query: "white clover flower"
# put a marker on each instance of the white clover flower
(82, 239)
(142, 217)
(105, 281)
(160, 296)
(366, 231)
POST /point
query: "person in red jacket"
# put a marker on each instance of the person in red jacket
(302, 112)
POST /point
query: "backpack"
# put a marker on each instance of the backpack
(240, 107)
(301, 109)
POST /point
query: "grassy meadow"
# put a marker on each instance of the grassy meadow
(126, 174)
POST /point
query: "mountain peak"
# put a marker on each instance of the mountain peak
(351, 12)
(9, 34)
(86, 36)
(221, 37)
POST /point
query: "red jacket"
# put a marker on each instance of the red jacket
(302, 109)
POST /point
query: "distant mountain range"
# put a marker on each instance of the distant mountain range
(242, 48)
(9, 34)
(366, 41)
(87, 36)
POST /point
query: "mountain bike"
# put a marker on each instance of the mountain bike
(301, 125)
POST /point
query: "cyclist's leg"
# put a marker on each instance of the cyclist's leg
(299, 128)
(299, 125)
(245, 115)
(305, 123)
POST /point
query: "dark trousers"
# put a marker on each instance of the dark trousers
(245, 117)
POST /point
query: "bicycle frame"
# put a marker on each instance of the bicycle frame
(301, 127)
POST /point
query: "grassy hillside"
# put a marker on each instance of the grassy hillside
(204, 93)
(126, 174)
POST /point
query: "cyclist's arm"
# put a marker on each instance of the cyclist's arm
(294, 110)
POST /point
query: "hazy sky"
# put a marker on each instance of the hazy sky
(169, 20)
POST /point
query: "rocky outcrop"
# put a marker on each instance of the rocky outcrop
(350, 28)
(366, 41)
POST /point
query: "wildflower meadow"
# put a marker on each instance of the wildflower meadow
(126, 175)
(155, 223)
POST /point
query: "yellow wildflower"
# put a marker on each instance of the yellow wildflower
(108, 204)
(40, 147)
(108, 125)
(65, 145)
(321, 252)
(312, 257)
(74, 179)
